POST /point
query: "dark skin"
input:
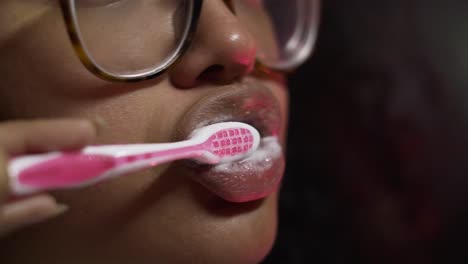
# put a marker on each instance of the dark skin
(157, 215)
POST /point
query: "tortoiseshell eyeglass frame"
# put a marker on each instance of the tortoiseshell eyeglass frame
(311, 15)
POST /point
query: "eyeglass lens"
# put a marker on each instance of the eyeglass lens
(285, 31)
(126, 37)
(132, 37)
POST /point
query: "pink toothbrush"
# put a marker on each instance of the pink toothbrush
(221, 142)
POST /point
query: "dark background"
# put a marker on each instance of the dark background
(378, 148)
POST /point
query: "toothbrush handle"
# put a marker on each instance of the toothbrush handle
(35, 173)
(59, 170)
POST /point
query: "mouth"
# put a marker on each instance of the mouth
(256, 176)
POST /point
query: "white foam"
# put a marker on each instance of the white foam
(262, 159)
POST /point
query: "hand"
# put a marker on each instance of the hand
(22, 137)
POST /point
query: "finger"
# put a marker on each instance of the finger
(3, 178)
(29, 211)
(45, 135)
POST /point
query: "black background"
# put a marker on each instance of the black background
(378, 149)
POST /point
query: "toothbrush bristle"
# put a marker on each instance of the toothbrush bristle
(231, 142)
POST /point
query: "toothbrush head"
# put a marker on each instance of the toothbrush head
(227, 141)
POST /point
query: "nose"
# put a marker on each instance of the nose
(222, 51)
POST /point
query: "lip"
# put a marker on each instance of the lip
(255, 177)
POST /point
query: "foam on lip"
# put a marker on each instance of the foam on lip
(260, 160)
(248, 179)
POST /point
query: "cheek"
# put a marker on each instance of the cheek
(283, 97)
(38, 59)
(160, 222)
(280, 91)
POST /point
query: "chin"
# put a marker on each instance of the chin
(209, 230)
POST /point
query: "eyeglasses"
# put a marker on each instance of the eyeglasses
(134, 40)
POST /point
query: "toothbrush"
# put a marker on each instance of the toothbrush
(212, 144)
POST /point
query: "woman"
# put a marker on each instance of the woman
(147, 71)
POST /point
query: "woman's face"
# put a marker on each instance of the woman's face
(163, 214)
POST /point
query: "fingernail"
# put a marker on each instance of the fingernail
(61, 208)
(100, 123)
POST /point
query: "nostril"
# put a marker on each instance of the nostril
(211, 73)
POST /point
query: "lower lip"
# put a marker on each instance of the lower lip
(252, 178)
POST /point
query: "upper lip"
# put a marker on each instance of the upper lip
(250, 102)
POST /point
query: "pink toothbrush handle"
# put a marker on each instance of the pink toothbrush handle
(209, 145)
(35, 173)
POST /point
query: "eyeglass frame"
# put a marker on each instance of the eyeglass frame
(70, 17)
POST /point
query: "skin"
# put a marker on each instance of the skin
(158, 215)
